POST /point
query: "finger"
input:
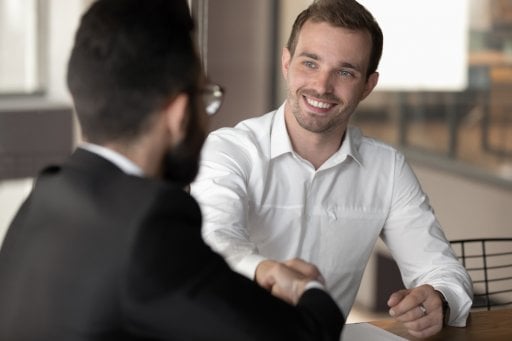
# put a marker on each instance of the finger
(413, 299)
(423, 309)
(434, 303)
(307, 269)
(282, 294)
(427, 324)
(426, 332)
(396, 297)
(289, 284)
(412, 315)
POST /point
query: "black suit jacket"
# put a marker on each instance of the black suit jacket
(95, 254)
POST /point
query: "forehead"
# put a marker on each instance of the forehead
(337, 44)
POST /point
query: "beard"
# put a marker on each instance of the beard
(181, 163)
(310, 122)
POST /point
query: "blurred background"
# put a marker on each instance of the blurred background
(444, 99)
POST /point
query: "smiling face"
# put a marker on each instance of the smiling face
(326, 78)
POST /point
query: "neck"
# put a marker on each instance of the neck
(314, 147)
(143, 158)
(146, 151)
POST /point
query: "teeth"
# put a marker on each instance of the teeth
(317, 104)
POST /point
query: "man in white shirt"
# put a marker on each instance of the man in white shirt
(300, 182)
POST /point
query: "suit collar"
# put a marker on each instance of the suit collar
(127, 165)
(87, 161)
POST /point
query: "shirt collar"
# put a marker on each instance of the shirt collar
(349, 147)
(125, 164)
(280, 141)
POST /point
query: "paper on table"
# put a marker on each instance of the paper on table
(366, 332)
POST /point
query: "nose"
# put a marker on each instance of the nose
(323, 82)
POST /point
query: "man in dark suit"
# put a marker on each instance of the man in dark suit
(108, 246)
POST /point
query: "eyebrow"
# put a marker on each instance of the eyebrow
(340, 65)
(310, 55)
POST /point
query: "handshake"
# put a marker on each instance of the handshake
(289, 279)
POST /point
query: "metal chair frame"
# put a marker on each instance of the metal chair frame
(492, 277)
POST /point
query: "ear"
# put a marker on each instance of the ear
(175, 117)
(285, 62)
(371, 83)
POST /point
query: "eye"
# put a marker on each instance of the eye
(345, 74)
(309, 64)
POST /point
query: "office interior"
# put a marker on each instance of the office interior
(444, 99)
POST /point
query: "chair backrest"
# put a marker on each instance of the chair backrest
(489, 263)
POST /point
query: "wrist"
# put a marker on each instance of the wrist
(445, 306)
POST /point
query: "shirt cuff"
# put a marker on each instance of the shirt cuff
(458, 307)
(247, 266)
(314, 285)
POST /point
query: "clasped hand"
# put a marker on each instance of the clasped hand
(287, 280)
(419, 309)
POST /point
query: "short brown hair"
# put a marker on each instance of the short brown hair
(341, 13)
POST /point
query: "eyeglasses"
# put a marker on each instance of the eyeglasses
(212, 94)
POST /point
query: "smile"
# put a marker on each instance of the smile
(318, 104)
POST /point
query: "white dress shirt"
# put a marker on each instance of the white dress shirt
(260, 200)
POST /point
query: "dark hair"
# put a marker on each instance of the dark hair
(130, 58)
(341, 13)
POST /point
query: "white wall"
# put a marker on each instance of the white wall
(467, 208)
(12, 194)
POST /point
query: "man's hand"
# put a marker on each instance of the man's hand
(287, 280)
(419, 309)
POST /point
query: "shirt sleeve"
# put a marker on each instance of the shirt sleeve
(419, 246)
(221, 190)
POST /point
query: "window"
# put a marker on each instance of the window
(463, 122)
(21, 54)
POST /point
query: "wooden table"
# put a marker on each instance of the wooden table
(494, 325)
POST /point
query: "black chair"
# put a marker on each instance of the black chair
(489, 263)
